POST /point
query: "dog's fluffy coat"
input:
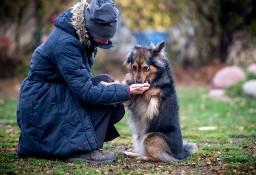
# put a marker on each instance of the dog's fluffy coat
(153, 116)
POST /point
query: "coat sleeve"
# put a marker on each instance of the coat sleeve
(69, 61)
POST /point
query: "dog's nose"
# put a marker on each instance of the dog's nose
(139, 80)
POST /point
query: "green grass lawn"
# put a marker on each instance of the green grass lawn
(224, 130)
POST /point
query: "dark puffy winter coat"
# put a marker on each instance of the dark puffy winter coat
(51, 113)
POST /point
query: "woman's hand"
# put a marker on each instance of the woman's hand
(138, 88)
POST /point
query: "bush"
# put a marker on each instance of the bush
(237, 89)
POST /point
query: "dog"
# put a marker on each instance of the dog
(153, 116)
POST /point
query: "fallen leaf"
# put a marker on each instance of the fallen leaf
(207, 128)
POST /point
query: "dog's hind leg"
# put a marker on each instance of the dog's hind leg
(138, 156)
(146, 158)
(131, 154)
(157, 148)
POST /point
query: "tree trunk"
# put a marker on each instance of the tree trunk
(225, 41)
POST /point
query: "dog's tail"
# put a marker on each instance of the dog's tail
(188, 149)
(166, 157)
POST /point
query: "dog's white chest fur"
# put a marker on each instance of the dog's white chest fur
(142, 114)
(152, 108)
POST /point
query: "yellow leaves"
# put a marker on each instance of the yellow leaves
(145, 14)
(124, 4)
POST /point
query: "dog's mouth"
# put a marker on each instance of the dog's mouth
(140, 81)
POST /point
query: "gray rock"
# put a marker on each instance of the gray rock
(252, 69)
(216, 93)
(249, 88)
(227, 77)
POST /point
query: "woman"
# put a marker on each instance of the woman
(63, 111)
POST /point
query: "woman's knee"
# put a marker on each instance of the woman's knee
(106, 78)
(102, 77)
(118, 113)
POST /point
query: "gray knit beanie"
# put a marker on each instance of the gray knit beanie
(101, 19)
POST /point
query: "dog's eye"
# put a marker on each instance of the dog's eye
(146, 68)
(134, 67)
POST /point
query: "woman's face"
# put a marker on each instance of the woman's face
(102, 41)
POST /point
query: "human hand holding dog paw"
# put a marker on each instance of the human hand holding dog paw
(138, 88)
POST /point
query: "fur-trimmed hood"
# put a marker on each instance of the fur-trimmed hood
(73, 22)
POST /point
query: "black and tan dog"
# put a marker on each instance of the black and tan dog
(154, 116)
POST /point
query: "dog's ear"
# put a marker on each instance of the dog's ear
(129, 57)
(159, 47)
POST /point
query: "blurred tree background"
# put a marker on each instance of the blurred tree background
(23, 25)
(206, 29)
(199, 31)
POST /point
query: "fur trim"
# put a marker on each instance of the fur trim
(78, 22)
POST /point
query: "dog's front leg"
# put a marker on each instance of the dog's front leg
(151, 92)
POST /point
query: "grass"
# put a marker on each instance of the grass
(224, 130)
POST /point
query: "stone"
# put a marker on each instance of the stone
(227, 77)
(207, 128)
(249, 88)
(216, 93)
(252, 69)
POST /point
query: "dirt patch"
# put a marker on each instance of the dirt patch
(10, 87)
(197, 76)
